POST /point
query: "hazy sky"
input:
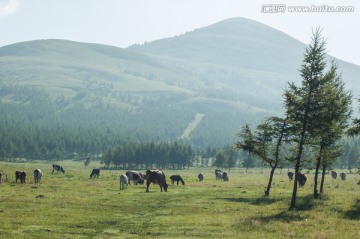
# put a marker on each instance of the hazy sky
(125, 22)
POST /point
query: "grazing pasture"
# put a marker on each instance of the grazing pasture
(72, 205)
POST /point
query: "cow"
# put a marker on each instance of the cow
(333, 174)
(225, 176)
(218, 174)
(37, 176)
(136, 177)
(301, 178)
(124, 181)
(156, 176)
(177, 178)
(20, 175)
(57, 168)
(343, 176)
(95, 173)
(290, 175)
(200, 177)
(0, 178)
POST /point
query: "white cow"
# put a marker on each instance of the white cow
(124, 181)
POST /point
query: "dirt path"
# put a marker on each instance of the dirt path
(192, 126)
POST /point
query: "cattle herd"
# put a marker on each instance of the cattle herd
(154, 176)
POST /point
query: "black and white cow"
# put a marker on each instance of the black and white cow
(177, 178)
(95, 173)
(124, 181)
(136, 177)
(37, 176)
(218, 174)
(20, 175)
(57, 168)
(343, 176)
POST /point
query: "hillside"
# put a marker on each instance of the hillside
(231, 72)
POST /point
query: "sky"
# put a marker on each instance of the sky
(123, 23)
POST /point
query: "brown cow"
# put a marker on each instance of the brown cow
(20, 175)
(301, 178)
(156, 176)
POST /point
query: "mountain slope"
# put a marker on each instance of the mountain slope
(231, 72)
(65, 67)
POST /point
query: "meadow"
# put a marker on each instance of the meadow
(72, 205)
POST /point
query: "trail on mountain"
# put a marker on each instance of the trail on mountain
(192, 126)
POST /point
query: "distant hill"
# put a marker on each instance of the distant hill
(231, 72)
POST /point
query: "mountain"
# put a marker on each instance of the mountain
(228, 73)
(243, 58)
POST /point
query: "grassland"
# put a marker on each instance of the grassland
(71, 205)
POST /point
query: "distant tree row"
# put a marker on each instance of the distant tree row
(149, 155)
(35, 126)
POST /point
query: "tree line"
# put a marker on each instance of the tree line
(149, 155)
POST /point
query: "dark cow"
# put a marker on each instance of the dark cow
(136, 177)
(57, 168)
(37, 176)
(333, 174)
(225, 176)
(20, 175)
(0, 178)
(200, 177)
(301, 178)
(156, 176)
(177, 178)
(343, 176)
(95, 173)
(290, 175)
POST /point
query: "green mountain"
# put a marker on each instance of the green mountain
(200, 86)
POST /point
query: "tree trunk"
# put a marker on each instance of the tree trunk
(322, 179)
(267, 191)
(316, 194)
(293, 198)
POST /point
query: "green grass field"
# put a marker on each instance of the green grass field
(71, 205)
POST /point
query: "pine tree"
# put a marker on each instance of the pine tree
(306, 105)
